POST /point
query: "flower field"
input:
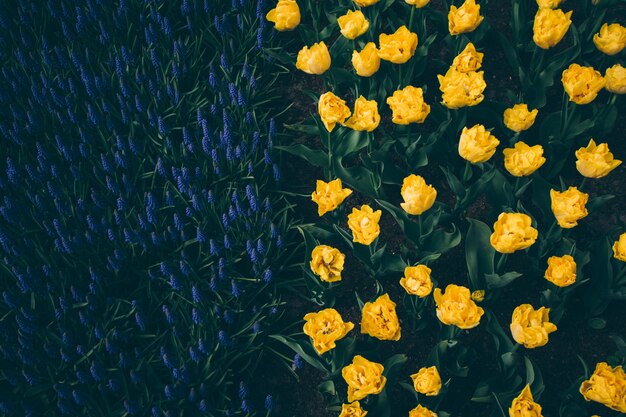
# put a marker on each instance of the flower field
(313, 207)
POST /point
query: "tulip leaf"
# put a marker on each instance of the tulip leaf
(305, 350)
(350, 143)
(394, 364)
(499, 281)
(479, 254)
(314, 157)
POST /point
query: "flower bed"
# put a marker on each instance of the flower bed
(464, 233)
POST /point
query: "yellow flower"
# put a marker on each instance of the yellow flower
(478, 295)
(531, 327)
(367, 62)
(398, 47)
(329, 195)
(606, 386)
(550, 27)
(519, 118)
(285, 16)
(380, 319)
(352, 410)
(468, 60)
(561, 270)
(325, 328)
(615, 77)
(455, 307)
(332, 110)
(417, 3)
(363, 378)
(365, 3)
(477, 144)
(327, 263)
(595, 161)
(421, 411)
(569, 206)
(364, 224)
(513, 231)
(522, 160)
(464, 19)
(353, 24)
(365, 115)
(611, 39)
(427, 381)
(418, 196)
(549, 4)
(408, 106)
(416, 280)
(524, 405)
(315, 60)
(461, 89)
(582, 84)
(619, 248)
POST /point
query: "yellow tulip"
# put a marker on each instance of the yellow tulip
(367, 62)
(398, 47)
(550, 27)
(325, 328)
(352, 410)
(418, 196)
(468, 60)
(417, 3)
(522, 160)
(408, 106)
(465, 18)
(512, 232)
(314, 60)
(379, 319)
(329, 195)
(416, 280)
(519, 118)
(619, 248)
(615, 77)
(363, 378)
(461, 89)
(569, 206)
(353, 24)
(455, 307)
(582, 84)
(524, 405)
(477, 144)
(332, 110)
(327, 263)
(365, 116)
(595, 161)
(363, 223)
(611, 39)
(285, 16)
(421, 411)
(531, 327)
(606, 386)
(427, 381)
(561, 270)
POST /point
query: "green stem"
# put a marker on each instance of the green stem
(331, 171)
(501, 262)
(411, 17)
(582, 184)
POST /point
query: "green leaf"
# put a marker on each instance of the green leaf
(307, 129)
(305, 350)
(314, 157)
(479, 254)
(350, 143)
(499, 281)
